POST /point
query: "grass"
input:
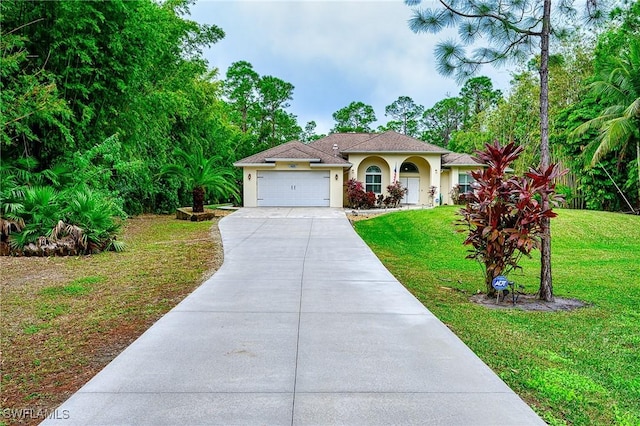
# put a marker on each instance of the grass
(576, 367)
(64, 318)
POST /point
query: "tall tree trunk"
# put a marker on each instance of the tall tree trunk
(198, 199)
(638, 159)
(545, 292)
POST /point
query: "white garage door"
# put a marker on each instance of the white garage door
(293, 188)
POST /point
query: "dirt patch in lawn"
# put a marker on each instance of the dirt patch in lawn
(354, 217)
(63, 319)
(528, 302)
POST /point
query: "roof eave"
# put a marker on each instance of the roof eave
(396, 152)
(343, 165)
(239, 164)
(293, 160)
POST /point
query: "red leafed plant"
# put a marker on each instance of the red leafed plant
(357, 197)
(503, 213)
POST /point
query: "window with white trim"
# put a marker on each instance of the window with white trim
(373, 180)
(465, 180)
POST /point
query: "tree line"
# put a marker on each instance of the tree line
(593, 111)
(102, 94)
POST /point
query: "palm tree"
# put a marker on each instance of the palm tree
(200, 173)
(619, 123)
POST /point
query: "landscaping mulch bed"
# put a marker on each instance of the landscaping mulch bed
(528, 302)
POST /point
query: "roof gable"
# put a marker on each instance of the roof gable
(342, 140)
(455, 159)
(294, 150)
(391, 141)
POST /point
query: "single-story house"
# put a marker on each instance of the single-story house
(296, 174)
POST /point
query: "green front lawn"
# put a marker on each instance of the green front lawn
(577, 367)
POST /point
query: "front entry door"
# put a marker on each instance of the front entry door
(412, 196)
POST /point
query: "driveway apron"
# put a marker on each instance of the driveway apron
(302, 325)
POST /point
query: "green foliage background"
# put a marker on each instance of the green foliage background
(103, 93)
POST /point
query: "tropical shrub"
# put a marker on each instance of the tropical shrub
(93, 218)
(47, 218)
(199, 173)
(40, 213)
(503, 214)
(357, 197)
(396, 193)
(369, 200)
(456, 196)
(355, 191)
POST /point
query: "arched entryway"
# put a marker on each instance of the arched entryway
(374, 173)
(414, 176)
(410, 180)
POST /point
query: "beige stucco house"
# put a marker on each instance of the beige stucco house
(314, 174)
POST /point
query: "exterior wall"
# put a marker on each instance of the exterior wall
(434, 163)
(250, 185)
(337, 187)
(445, 182)
(428, 167)
(362, 162)
(250, 181)
(425, 174)
(450, 178)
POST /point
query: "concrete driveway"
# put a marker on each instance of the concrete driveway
(302, 325)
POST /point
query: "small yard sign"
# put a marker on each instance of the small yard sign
(500, 282)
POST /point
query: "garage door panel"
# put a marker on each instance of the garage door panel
(293, 189)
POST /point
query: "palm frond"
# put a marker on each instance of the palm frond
(616, 133)
(77, 235)
(9, 226)
(11, 207)
(619, 122)
(198, 170)
(116, 245)
(58, 231)
(633, 110)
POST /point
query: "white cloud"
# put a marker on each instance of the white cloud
(334, 52)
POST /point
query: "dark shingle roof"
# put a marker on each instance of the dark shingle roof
(391, 141)
(292, 150)
(321, 151)
(455, 159)
(343, 140)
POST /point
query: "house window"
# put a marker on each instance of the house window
(408, 168)
(465, 180)
(373, 180)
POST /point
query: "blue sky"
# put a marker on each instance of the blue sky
(333, 52)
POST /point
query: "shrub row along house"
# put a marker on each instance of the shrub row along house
(304, 175)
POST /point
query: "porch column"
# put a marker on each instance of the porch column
(434, 165)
